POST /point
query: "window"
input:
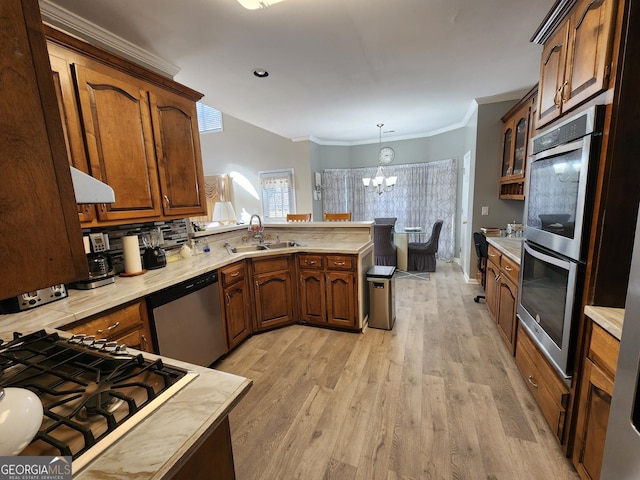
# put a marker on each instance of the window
(209, 119)
(278, 197)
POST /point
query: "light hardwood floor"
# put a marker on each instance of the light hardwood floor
(437, 397)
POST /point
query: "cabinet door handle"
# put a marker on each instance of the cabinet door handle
(87, 210)
(228, 299)
(339, 264)
(115, 325)
(530, 380)
(103, 207)
(508, 268)
(557, 98)
(233, 275)
(257, 285)
(564, 90)
(145, 344)
(311, 262)
(166, 199)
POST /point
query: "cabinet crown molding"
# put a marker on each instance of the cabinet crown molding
(552, 20)
(56, 16)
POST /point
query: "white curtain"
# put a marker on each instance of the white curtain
(424, 193)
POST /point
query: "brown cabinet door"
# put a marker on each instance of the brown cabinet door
(273, 299)
(313, 306)
(552, 77)
(341, 295)
(39, 223)
(236, 312)
(117, 124)
(491, 289)
(507, 308)
(71, 125)
(588, 61)
(177, 142)
(594, 416)
(507, 149)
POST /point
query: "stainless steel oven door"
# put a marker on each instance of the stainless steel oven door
(556, 196)
(546, 301)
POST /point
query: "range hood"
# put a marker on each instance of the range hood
(90, 190)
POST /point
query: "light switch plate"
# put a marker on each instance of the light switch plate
(485, 210)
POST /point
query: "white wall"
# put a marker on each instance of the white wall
(247, 150)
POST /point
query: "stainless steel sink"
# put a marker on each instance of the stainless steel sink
(247, 248)
(276, 246)
(262, 246)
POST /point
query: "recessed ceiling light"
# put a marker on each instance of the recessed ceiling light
(255, 4)
(260, 73)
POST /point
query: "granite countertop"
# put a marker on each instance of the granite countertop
(611, 319)
(510, 246)
(159, 442)
(81, 304)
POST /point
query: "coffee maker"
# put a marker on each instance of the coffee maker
(101, 268)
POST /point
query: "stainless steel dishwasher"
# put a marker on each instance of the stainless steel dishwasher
(187, 321)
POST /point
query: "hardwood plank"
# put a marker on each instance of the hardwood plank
(437, 397)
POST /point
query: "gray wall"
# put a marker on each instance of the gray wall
(247, 150)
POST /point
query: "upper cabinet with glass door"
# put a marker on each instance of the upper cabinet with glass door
(515, 139)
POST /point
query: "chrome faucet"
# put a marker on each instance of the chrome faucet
(256, 230)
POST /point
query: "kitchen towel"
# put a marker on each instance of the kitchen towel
(131, 252)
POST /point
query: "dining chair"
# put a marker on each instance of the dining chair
(384, 251)
(422, 256)
(298, 217)
(385, 220)
(482, 251)
(337, 217)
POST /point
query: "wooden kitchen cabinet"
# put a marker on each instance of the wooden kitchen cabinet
(328, 290)
(501, 294)
(177, 142)
(37, 193)
(235, 301)
(507, 319)
(576, 59)
(119, 136)
(273, 295)
(71, 124)
(127, 324)
(596, 389)
(515, 141)
(551, 393)
(138, 132)
(492, 279)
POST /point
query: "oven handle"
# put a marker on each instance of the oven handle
(546, 257)
(582, 143)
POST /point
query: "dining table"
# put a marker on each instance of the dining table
(401, 239)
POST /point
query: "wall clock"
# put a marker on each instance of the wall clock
(386, 155)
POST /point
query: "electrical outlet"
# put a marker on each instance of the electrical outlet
(485, 210)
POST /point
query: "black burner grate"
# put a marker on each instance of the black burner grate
(87, 387)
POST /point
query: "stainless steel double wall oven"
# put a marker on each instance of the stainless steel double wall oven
(560, 176)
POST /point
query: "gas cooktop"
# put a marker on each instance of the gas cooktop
(92, 391)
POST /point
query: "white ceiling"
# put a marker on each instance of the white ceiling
(337, 67)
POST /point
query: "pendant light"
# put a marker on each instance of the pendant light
(380, 183)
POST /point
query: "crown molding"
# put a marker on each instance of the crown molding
(73, 24)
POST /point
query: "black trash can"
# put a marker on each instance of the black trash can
(382, 309)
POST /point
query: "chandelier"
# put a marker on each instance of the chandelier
(380, 183)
